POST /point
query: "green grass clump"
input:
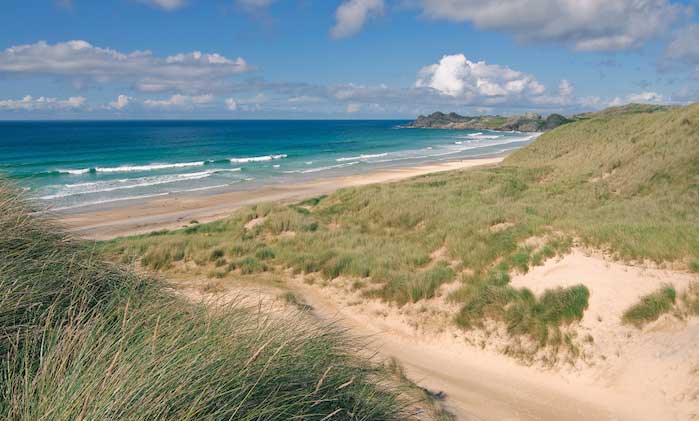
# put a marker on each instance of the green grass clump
(522, 312)
(85, 339)
(403, 288)
(651, 307)
(540, 318)
(248, 265)
(694, 265)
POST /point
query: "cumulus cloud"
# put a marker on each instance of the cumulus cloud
(231, 104)
(589, 25)
(166, 4)
(30, 103)
(457, 76)
(180, 101)
(80, 61)
(121, 102)
(351, 15)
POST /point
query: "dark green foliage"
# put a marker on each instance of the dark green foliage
(216, 254)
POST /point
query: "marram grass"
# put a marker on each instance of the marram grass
(85, 339)
(650, 307)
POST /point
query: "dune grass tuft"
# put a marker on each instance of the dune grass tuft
(651, 307)
(522, 312)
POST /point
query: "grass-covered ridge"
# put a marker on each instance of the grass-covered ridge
(84, 339)
(624, 182)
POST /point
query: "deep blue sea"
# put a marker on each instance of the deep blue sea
(71, 165)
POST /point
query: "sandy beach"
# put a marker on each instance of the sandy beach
(146, 215)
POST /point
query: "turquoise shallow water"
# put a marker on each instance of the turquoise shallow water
(71, 165)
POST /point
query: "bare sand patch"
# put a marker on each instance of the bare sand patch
(653, 362)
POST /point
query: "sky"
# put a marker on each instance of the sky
(341, 59)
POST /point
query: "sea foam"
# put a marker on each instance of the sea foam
(263, 158)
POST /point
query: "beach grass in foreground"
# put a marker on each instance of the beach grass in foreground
(85, 339)
(626, 183)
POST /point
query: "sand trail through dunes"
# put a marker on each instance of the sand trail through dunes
(626, 373)
(479, 384)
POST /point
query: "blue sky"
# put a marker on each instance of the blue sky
(75, 59)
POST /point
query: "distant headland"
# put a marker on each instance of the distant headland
(527, 122)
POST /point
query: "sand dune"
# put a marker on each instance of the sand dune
(628, 374)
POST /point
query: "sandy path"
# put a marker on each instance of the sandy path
(137, 217)
(480, 385)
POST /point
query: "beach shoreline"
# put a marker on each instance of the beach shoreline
(141, 216)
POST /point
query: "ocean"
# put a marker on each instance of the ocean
(75, 165)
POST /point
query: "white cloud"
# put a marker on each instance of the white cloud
(351, 15)
(231, 105)
(648, 98)
(457, 76)
(179, 101)
(166, 4)
(685, 45)
(29, 103)
(589, 25)
(121, 102)
(565, 88)
(641, 97)
(80, 61)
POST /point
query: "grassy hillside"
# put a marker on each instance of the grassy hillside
(619, 181)
(84, 339)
